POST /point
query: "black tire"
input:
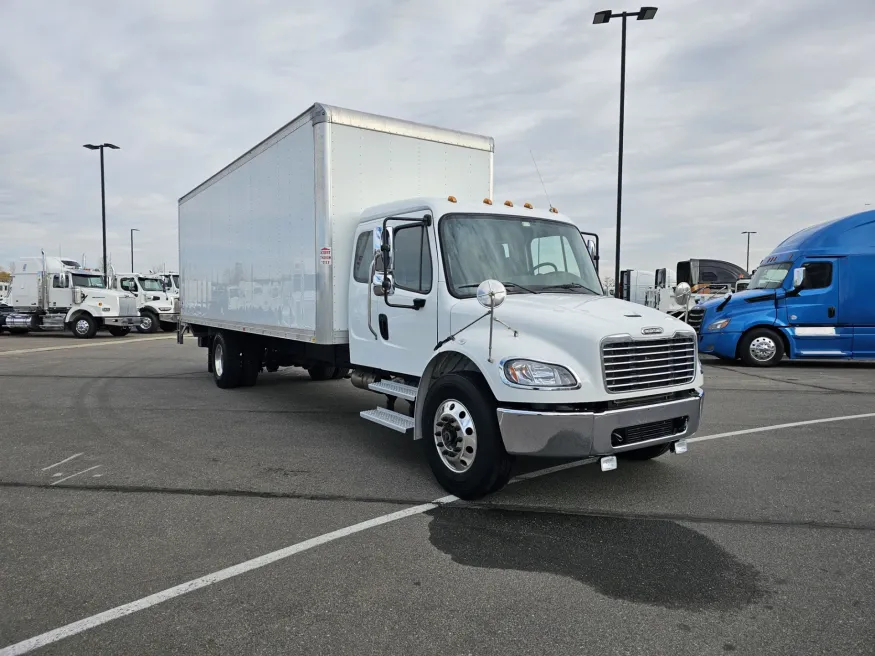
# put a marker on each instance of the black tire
(761, 347)
(227, 361)
(491, 467)
(252, 357)
(168, 326)
(646, 453)
(119, 331)
(84, 326)
(149, 323)
(321, 372)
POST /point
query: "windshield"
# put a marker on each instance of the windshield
(151, 284)
(527, 255)
(94, 282)
(770, 276)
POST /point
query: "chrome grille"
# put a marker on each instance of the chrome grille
(632, 365)
(694, 318)
(127, 307)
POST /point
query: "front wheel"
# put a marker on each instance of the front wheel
(148, 322)
(84, 326)
(119, 331)
(761, 347)
(461, 437)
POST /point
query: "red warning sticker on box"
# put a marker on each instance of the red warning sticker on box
(325, 255)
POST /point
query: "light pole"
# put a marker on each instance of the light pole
(600, 18)
(748, 233)
(102, 199)
(133, 230)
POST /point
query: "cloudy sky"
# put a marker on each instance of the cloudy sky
(740, 115)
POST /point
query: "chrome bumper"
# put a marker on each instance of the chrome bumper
(583, 434)
(122, 321)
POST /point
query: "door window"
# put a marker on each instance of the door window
(412, 266)
(818, 275)
(129, 285)
(363, 257)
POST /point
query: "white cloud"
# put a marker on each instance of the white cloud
(743, 115)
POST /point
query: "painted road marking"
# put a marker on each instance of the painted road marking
(79, 626)
(748, 431)
(115, 342)
(62, 462)
(66, 478)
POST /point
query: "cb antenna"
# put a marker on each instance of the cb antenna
(541, 179)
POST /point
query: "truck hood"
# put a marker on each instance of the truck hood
(574, 316)
(750, 301)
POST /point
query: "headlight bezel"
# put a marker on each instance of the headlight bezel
(506, 378)
(713, 325)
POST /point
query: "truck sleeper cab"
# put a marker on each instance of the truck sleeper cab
(809, 298)
(484, 326)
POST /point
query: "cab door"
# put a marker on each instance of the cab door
(61, 292)
(814, 313)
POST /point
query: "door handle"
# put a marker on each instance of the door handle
(831, 312)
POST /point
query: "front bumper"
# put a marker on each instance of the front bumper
(122, 321)
(169, 318)
(585, 434)
(719, 343)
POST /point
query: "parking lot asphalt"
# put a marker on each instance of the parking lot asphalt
(125, 472)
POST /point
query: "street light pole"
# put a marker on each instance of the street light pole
(102, 200)
(133, 230)
(748, 233)
(600, 18)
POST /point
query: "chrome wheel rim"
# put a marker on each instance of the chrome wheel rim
(146, 323)
(455, 436)
(763, 349)
(218, 360)
(82, 327)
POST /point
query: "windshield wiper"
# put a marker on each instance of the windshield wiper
(571, 285)
(506, 284)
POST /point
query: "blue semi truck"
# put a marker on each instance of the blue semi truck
(812, 297)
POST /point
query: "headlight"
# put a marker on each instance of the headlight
(719, 325)
(538, 374)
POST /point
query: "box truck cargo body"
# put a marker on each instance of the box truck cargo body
(283, 213)
(354, 244)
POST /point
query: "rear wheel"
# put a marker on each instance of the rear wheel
(227, 361)
(84, 326)
(119, 331)
(761, 347)
(461, 437)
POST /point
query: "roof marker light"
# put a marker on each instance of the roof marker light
(554, 210)
(452, 199)
(487, 201)
(508, 203)
(528, 206)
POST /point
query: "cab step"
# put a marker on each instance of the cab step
(391, 388)
(389, 419)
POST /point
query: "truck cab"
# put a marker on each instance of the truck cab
(809, 298)
(155, 306)
(47, 293)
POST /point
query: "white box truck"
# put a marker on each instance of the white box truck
(391, 261)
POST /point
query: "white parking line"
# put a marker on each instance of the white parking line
(66, 478)
(114, 342)
(62, 462)
(79, 626)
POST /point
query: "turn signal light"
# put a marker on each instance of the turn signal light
(487, 201)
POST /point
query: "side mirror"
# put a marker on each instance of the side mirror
(78, 296)
(682, 294)
(590, 246)
(798, 278)
(491, 294)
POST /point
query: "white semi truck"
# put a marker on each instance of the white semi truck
(487, 319)
(156, 307)
(49, 293)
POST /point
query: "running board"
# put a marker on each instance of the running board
(389, 419)
(391, 388)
